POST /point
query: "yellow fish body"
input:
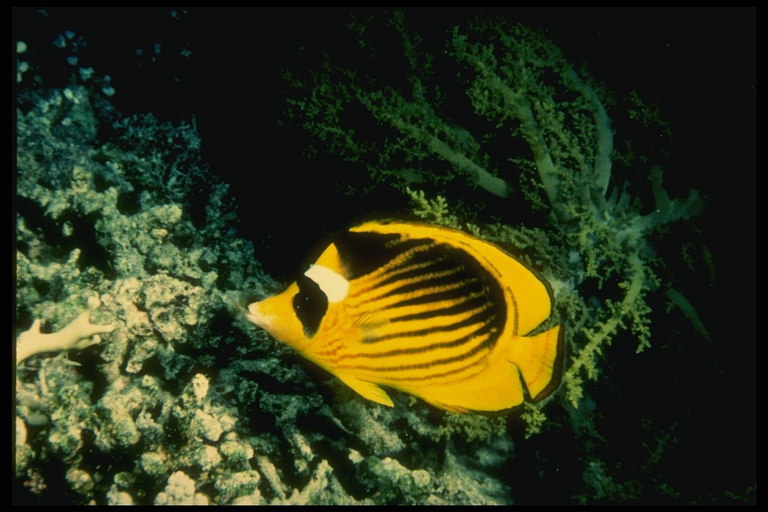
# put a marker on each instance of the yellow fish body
(424, 309)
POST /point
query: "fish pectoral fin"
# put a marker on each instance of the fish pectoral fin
(368, 322)
(368, 390)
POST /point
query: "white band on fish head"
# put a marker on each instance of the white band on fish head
(333, 285)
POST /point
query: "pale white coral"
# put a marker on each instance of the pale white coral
(180, 491)
(79, 334)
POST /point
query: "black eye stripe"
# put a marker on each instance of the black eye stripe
(310, 305)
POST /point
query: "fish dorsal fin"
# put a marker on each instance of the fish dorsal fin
(331, 260)
(368, 390)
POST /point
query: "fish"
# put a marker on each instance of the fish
(424, 309)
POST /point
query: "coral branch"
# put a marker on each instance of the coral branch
(77, 335)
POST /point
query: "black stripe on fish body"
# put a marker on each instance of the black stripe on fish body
(439, 280)
(446, 343)
(419, 285)
(438, 288)
(405, 252)
(427, 349)
(445, 377)
(425, 297)
(416, 270)
(443, 257)
(461, 304)
(482, 313)
(440, 367)
(448, 377)
(434, 288)
(482, 316)
(454, 299)
(404, 265)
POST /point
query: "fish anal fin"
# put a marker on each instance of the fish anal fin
(495, 389)
(369, 390)
(532, 363)
(450, 408)
(539, 359)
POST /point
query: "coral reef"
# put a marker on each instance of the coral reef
(183, 401)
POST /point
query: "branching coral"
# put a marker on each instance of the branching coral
(78, 334)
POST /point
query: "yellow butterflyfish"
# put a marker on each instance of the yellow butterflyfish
(424, 309)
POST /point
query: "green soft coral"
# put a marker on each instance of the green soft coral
(567, 128)
(522, 90)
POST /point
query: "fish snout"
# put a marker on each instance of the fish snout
(277, 316)
(257, 316)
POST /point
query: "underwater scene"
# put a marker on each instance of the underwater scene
(339, 256)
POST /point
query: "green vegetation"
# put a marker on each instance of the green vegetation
(442, 123)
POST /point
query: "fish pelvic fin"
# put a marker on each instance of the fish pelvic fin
(368, 390)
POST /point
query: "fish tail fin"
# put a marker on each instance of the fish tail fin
(539, 359)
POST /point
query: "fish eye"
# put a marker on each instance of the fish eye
(310, 305)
